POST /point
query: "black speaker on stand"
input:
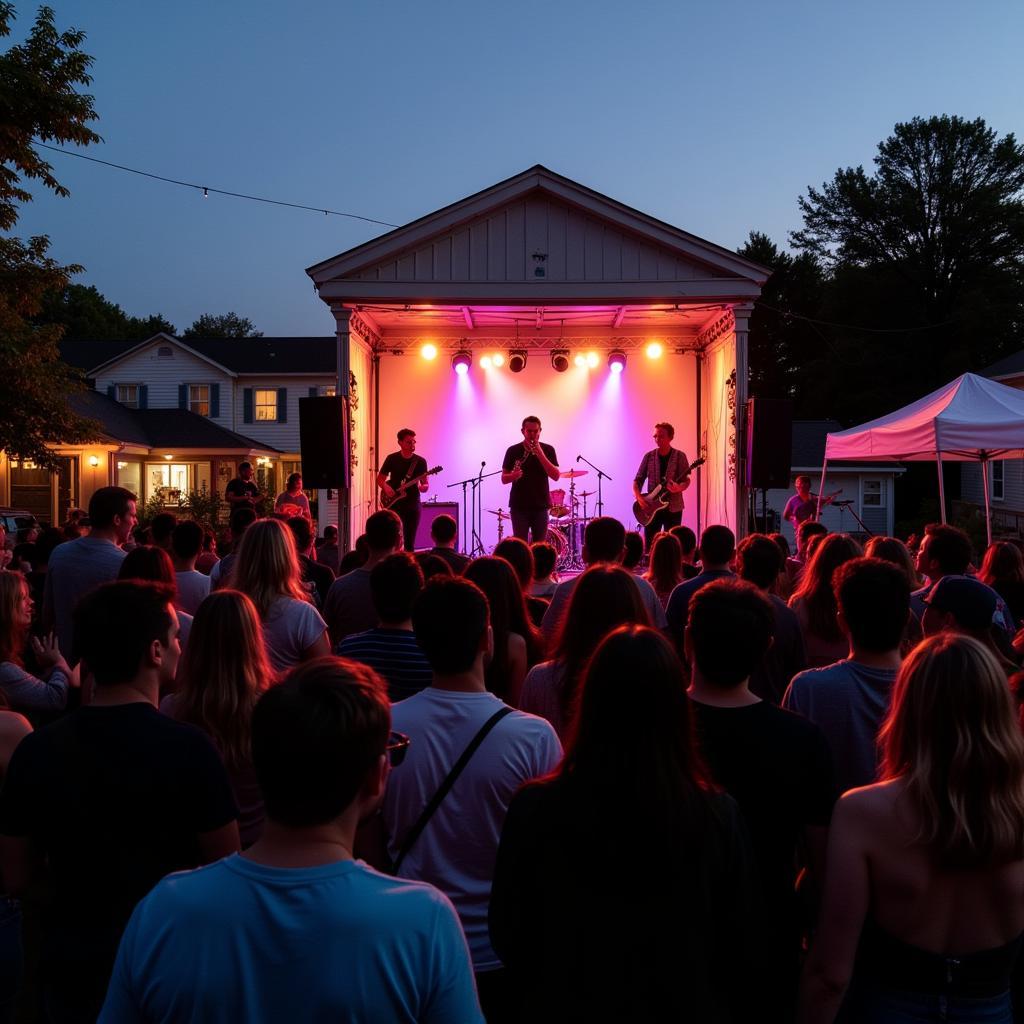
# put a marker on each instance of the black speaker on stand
(324, 442)
(769, 448)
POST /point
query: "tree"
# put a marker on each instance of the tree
(86, 315)
(228, 325)
(38, 101)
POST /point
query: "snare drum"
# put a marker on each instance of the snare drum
(557, 540)
(559, 509)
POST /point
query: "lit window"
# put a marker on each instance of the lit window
(329, 390)
(265, 404)
(874, 494)
(128, 394)
(997, 478)
(199, 399)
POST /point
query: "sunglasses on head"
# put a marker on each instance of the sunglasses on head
(397, 745)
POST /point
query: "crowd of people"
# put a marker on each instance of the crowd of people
(256, 777)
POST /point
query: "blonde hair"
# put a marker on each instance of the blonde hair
(267, 566)
(952, 737)
(224, 670)
(13, 587)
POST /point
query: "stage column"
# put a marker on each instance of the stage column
(342, 316)
(742, 316)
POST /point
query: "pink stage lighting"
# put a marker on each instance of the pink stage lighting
(461, 362)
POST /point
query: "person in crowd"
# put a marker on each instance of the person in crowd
(717, 551)
(242, 517)
(208, 557)
(943, 551)
(243, 491)
(222, 674)
(292, 501)
(349, 607)
(433, 565)
(327, 550)
(808, 534)
(110, 798)
(604, 540)
(22, 690)
(267, 571)
(665, 571)
(814, 600)
(161, 530)
(924, 890)
(892, 549)
(633, 551)
(390, 649)
(444, 533)
(356, 558)
(775, 764)
(759, 561)
(583, 940)
(49, 539)
(154, 565)
(519, 555)
(295, 926)
(1003, 570)
(605, 598)
(850, 699)
(455, 847)
(314, 575)
(193, 586)
(517, 644)
(543, 583)
(688, 542)
(83, 564)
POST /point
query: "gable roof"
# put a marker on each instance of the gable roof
(1009, 366)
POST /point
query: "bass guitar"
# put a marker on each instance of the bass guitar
(656, 499)
(387, 501)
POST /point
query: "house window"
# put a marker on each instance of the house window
(874, 493)
(128, 394)
(199, 399)
(329, 391)
(265, 404)
(997, 479)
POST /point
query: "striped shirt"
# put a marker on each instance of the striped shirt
(393, 653)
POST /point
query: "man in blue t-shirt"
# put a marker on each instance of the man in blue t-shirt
(295, 927)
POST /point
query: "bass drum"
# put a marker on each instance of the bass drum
(557, 540)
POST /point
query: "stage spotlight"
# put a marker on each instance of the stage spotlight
(617, 361)
(517, 360)
(592, 360)
(654, 350)
(485, 362)
(560, 360)
(498, 359)
(461, 362)
(580, 360)
(429, 351)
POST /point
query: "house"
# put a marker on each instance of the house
(179, 416)
(869, 488)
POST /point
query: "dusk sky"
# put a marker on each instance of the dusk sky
(713, 117)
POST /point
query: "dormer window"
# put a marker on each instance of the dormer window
(128, 395)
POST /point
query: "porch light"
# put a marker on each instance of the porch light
(94, 461)
(461, 362)
(517, 360)
(560, 360)
(655, 350)
(429, 351)
(617, 361)
(168, 457)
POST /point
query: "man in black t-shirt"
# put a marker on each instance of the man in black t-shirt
(108, 800)
(243, 490)
(528, 466)
(398, 468)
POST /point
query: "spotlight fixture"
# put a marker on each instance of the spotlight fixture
(592, 360)
(498, 359)
(517, 360)
(429, 351)
(617, 361)
(485, 362)
(560, 360)
(462, 361)
(655, 350)
(580, 360)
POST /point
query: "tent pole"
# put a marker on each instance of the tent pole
(988, 508)
(942, 489)
(821, 488)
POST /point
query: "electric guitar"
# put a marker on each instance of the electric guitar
(387, 501)
(656, 499)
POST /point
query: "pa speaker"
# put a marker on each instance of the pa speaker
(769, 442)
(324, 443)
(429, 511)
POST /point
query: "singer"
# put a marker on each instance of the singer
(527, 466)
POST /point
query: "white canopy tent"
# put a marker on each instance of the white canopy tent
(971, 419)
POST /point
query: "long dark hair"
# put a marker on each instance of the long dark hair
(666, 568)
(815, 588)
(604, 597)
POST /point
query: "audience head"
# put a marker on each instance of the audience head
(357, 557)
(1003, 564)
(15, 615)
(302, 531)
(187, 540)
(319, 742)
(687, 541)
(113, 509)
(161, 529)
(242, 517)
(604, 539)
(127, 628)
(960, 603)
(666, 567)
(729, 629)
(805, 531)
(294, 483)
(633, 550)
(330, 535)
(451, 620)
(544, 559)
(783, 544)
(892, 549)
(209, 541)
(953, 738)
(873, 598)
(150, 564)
(717, 547)
(49, 539)
(383, 532)
(433, 565)
(759, 560)
(815, 589)
(395, 583)
(518, 554)
(267, 565)
(944, 551)
(443, 530)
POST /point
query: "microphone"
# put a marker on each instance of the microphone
(578, 457)
(482, 463)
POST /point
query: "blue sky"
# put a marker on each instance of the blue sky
(712, 116)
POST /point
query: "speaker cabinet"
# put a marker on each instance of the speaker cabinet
(769, 442)
(324, 442)
(429, 511)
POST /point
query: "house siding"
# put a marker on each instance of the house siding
(971, 488)
(278, 435)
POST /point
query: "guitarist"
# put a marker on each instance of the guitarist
(670, 468)
(804, 504)
(398, 467)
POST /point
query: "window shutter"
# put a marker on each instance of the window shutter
(182, 396)
(111, 391)
(282, 405)
(313, 392)
(247, 414)
(143, 396)
(214, 400)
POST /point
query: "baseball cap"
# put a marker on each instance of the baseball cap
(971, 603)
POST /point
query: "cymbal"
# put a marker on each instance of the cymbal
(571, 474)
(499, 512)
(586, 494)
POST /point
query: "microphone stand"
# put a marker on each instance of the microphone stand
(474, 514)
(601, 475)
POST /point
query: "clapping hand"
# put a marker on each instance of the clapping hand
(46, 651)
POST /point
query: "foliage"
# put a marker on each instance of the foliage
(154, 507)
(203, 506)
(227, 325)
(86, 314)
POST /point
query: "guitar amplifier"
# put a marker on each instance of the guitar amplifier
(429, 511)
